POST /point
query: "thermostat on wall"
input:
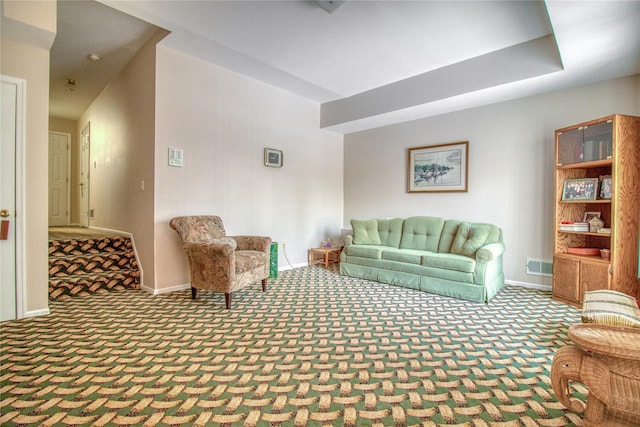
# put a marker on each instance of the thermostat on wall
(176, 157)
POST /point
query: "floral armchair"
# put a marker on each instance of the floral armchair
(219, 262)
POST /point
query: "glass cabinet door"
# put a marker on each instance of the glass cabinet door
(585, 144)
(597, 141)
(570, 147)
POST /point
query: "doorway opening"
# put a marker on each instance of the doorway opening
(59, 178)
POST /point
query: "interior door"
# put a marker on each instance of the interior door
(85, 166)
(59, 164)
(11, 99)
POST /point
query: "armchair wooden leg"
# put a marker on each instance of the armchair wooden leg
(264, 285)
(227, 299)
(194, 292)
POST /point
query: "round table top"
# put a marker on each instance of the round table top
(607, 340)
(326, 249)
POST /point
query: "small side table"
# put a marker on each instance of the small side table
(324, 256)
(606, 359)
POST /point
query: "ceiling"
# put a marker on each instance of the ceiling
(368, 63)
(85, 28)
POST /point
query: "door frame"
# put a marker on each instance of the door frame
(21, 113)
(85, 165)
(68, 172)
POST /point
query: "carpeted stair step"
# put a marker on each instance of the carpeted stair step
(65, 248)
(92, 263)
(85, 266)
(82, 285)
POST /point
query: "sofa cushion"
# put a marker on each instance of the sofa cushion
(390, 231)
(365, 232)
(422, 233)
(470, 238)
(365, 251)
(610, 308)
(408, 256)
(449, 232)
(495, 234)
(450, 262)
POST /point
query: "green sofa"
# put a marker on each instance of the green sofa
(445, 257)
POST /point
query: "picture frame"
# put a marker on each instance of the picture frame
(580, 189)
(441, 168)
(606, 187)
(589, 215)
(273, 158)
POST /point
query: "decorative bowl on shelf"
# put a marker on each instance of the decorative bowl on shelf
(583, 251)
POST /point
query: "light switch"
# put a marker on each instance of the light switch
(176, 157)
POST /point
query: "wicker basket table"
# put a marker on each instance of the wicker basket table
(606, 359)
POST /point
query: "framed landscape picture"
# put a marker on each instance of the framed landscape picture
(438, 168)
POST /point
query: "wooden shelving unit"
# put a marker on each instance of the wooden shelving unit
(606, 147)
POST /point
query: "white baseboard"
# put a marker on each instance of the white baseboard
(36, 313)
(536, 286)
(291, 267)
(175, 288)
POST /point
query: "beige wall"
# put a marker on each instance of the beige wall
(71, 127)
(223, 121)
(28, 29)
(122, 151)
(511, 157)
(39, 17)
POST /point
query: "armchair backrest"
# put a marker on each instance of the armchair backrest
(198, 228)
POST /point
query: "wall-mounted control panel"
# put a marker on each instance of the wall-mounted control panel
(176, 157)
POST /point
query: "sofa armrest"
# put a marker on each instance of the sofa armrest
(348, 239)
(489, 263)
(253, 243)
(490, 252)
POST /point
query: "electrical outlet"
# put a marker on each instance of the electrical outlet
(284, 245)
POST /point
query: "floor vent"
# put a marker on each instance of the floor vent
(539, 267)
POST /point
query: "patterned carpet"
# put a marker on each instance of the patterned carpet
(316, 349)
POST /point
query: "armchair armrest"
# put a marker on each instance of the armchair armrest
(490, 251)
(212, 264)
(223, 247)
(252, 243)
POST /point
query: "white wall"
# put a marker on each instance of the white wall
(122, 137)
(223, 121)
(511, 157)
(28, 30)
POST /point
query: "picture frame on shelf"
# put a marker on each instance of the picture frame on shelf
(588, 215)
(273, 158)
(580, 189)
(605, 187)
(438, 168)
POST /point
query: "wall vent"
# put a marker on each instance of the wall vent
(539, 267)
